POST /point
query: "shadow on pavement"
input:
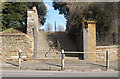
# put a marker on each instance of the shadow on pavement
(11, 63)
(53, 64)
(96, 64)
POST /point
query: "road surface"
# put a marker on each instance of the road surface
(35, 73)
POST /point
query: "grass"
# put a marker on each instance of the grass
(7, 30)
(11, 30)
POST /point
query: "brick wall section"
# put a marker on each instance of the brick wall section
(113, 51)
(11, 43)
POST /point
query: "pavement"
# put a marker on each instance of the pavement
(55, 65)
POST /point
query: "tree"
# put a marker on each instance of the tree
(48, 27)
(15, 13)
(106, 16)
(119, 24)
(104, 13)
(0, 15)
(73, 12)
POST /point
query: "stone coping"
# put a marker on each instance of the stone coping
(54, 32)
(112, 46)
(12, 34)
(91, 22)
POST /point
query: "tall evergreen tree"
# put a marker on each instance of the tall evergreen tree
(15, 13)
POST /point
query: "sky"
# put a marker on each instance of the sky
(52, 16)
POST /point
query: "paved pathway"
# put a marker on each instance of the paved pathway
(55, 65)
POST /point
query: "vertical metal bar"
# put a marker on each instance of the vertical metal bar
(58, 46)
(35, 43)
(62, 67)
(107, 60)
(85, 43)
(19, 59)
(114, 38)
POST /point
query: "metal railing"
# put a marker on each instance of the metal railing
(64, 52)
(62, 58)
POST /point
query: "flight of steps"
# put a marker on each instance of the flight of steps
(43, 44)
(43, 47)
(65, 42)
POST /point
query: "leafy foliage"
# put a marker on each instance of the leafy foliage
(106, 16)
(15, 13)
(104, 13)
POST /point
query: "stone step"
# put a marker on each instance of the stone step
(48, 50)
(66, 42)
(67, 45)
(52, 52)
(43, 43)
(49, 55)
(43, 48)
(47, 47)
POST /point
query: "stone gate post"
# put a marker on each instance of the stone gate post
(91, 40)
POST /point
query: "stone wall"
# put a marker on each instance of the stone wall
(11, 43)
(113, 52)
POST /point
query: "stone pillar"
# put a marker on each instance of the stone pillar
(37, 24)
(32, 27)
(30, 22)
(91, 40)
